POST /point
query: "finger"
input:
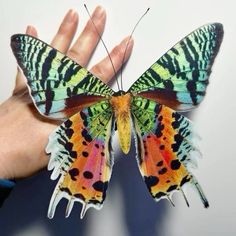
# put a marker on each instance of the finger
(20, 85)
(83, 48)
(31, 31)
(104, 69)
(66, 32)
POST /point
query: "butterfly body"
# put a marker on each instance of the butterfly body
(81, 147)
(121, 106)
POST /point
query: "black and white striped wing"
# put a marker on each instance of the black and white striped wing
(180, 77)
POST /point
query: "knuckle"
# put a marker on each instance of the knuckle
(77, 56)
(116, 52)
(98, 70)
(63, 30)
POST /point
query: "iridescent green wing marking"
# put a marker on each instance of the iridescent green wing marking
(180, 77)
(81, 154)
(166, 151)
(58, 85)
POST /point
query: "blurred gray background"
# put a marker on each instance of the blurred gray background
(128, 209)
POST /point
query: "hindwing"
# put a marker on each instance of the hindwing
(81, 154)
(165, 148)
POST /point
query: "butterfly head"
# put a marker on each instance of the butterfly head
(119, 93)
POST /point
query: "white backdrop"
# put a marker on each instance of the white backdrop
(128, 209)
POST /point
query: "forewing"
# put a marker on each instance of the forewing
(81, 153)
(165, 149)
(58, 85)
(180, 77)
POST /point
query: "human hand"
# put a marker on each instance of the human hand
(23, 131)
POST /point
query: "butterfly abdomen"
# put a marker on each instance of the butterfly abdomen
(121, 108)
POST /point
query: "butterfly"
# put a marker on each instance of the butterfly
(81, 147)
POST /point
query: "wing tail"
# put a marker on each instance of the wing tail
(81, 153)
(165, 149)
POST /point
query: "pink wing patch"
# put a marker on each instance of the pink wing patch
(81, 153)
(166, 149)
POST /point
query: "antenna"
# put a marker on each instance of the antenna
(122, 65)
(100, 36)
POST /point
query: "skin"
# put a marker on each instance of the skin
(25, 136)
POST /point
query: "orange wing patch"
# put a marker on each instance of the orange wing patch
(81, 152)
(165, 148)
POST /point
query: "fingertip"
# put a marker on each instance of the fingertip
(71, 17)
(128, 40)
(127, 45)
(99, 18)
(31, 30)
(66, 32)
(99, 12)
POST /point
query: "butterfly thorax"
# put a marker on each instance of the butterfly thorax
(121, 107)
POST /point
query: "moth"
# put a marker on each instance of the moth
(81, 147)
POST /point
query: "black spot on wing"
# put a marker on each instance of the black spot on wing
(178, 140)
(162, 171)
(88, 175)
(157, 109)
(100, 186)
(162, 147)
(67, 190)
(151, 181)
(94, 202)
(73, 173)
(69, 133)
(80, 196)
(159, 195)
(73, 154)
(186, 179)
(172, 187)
(84, 118)
(177, 120)
(85, 154)
(68, 123)
(160, 163)
(175, 164)
(168, 84)
(159, 129)
(68, 146)
(86, 136)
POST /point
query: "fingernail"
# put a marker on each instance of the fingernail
(127, 42)
(98, 13)
(28, 29)
(70, 16)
